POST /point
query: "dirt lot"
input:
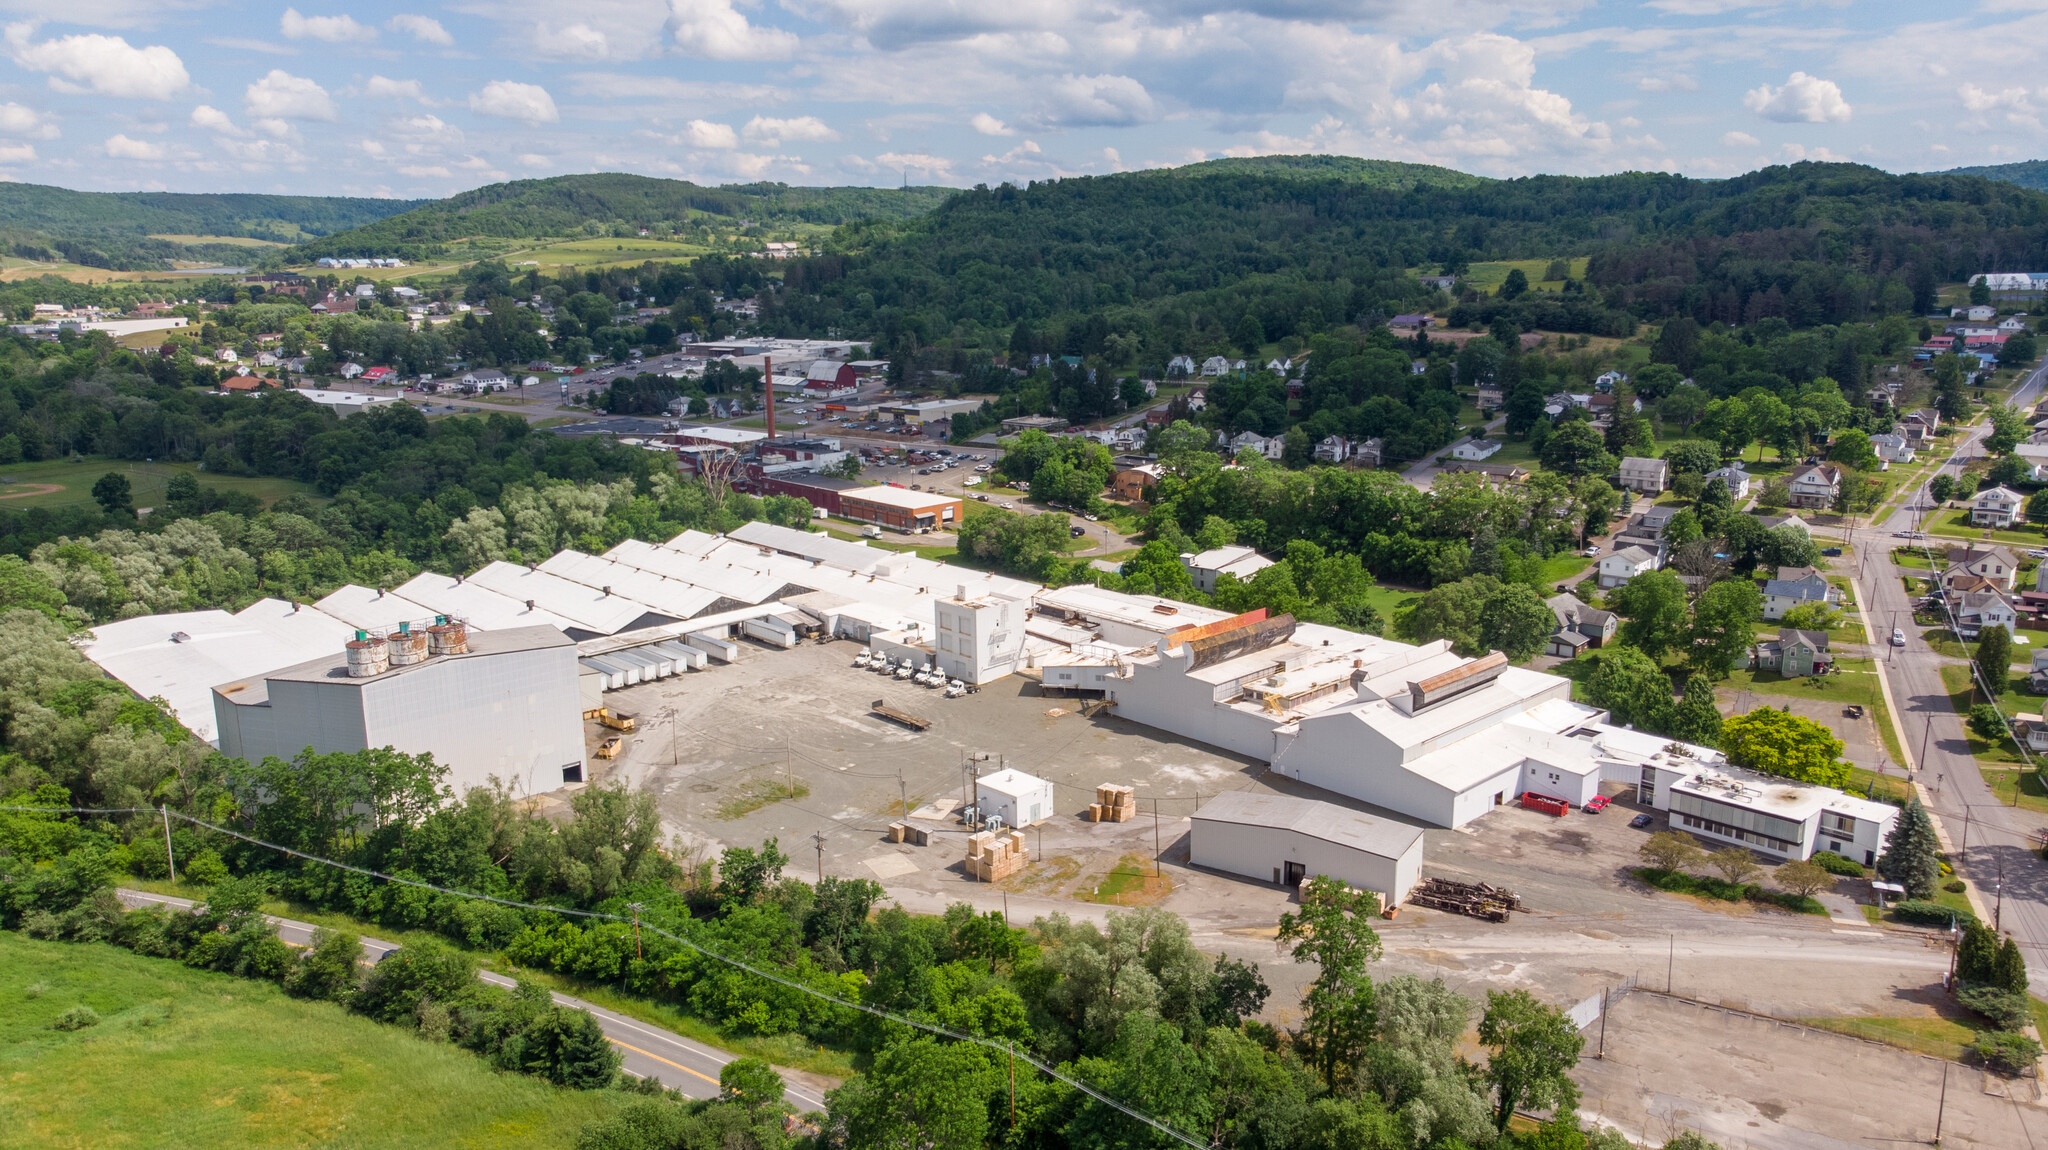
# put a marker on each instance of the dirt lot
(1746, 1082)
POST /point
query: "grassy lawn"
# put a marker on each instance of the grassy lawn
(1564, 567)
(1856, 683)
(146, 481)
(2032, 796)
(1488, 277)
(1956, 524)
(1962, 692)
(1871, 785)
(1390, 600)
(1941, 1037)
(1912, 558)
(192, 1058)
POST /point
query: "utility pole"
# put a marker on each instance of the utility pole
(1155, 838)
(169, 855)
(1606, 1000)
(1998, 894)
(636, 929)
(1670, 961)
(819, 838)
(902, 793)
(1941, 1108)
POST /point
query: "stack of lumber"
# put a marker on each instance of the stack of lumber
(1113, 804)
(993, 855)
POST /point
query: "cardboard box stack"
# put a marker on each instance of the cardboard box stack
(907, 833)
(993, 855)
(1113, 804)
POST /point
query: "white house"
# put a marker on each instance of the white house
(1734, 478)
(1608, 379)
(1333, 449)
(1243, 562)
(1180, 367)
(1976, 610)
(1892, 448)
(1475, 450)
(2035, 456)
(1796, 587)
(349, 370)
(1993, 564)
(1978, 313)
(2012, 324)
(1998, 507)
(1647, 476)
(1270, 447)
(1618, 567)
(1816, 486)
(1215, 365)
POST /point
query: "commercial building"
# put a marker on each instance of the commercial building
(820, 491)
(900, 508)
(488, 704)
(1285, 840)
(1772, 816)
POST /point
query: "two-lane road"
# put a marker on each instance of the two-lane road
(648, 1052)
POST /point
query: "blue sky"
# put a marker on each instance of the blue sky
(426, 99)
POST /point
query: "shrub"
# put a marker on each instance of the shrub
(1833, 863)
(328, 970)
(2006, 1010)
(1923, 913)
(77, 1018)
(204, 869)
(2007, 1052)
(1705, 887)
(1955, 886)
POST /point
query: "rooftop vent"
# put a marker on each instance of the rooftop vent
(1163, 609)
(180, 637)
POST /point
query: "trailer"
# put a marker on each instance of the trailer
(686, 658)
(717, 646)
(771, 631)
(1545, 803)
(1476, 899)
(881, 707)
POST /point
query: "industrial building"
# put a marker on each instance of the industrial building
(1287, 840)
(900, 508)
(1013, 796)
(1772, 816)
(488, 704)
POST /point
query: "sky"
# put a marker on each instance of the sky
(424, 99)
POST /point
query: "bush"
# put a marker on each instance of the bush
(77, 1018)
(1704, 887)
(205, 869)
(1833, 863)
(2007, 1052)
(1955, 886)
(2005, 1010)
(1923, 913)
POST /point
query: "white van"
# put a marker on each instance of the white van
(871, 531)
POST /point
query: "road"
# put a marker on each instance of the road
(1986, 838)
(648, 1052)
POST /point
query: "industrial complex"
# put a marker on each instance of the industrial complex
(493, 674)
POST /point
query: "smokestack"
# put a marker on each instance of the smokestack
(768, 381)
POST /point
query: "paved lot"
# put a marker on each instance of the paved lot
(1745, 1082)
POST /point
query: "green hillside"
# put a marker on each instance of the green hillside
(2026, 173)
(1373, 173)
(564, 205)
(114, 229)
(189, 1058)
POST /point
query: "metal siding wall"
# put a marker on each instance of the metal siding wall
(514, 716)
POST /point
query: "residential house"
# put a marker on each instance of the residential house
(1333, 449)
(2012, 325)
(1997, 507)
(1646, 476)
(1976, 313)
(1270, 447)
(1646, 530)
(1475, 450)
(1772, 522)
(1892, 448)
(1180, 367)
(1491, 396)
(1920, 425)
(1556, 404)
(2035, 456)
(1130, 483)
(1205, 568)
(1280, 366)
(268, 359)
(1215, 365)
(1607, 381)
(2037, 678)
(1989, 562)
(1367, 452)
(1198, 399)
(1440, 283)
(2030, 727)
(1588, 623)
(1734, 478)
(244, 383)
(1796, 587)
(483, 378)
(1816, 486)
(1794, 653)
(1618, 567)
(349, 370)
(379, 375)
(1976, 610)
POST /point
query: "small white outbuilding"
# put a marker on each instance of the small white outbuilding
(1286, 840)
(1019, 798)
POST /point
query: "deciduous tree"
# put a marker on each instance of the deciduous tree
(1777, 742)
(1533, 1048)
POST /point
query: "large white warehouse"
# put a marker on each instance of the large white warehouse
(1287, 839)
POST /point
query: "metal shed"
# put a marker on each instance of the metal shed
(1019, 798)
(1282, 839)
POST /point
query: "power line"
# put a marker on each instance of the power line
(1005, 1048)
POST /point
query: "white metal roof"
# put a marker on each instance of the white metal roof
(1327, 821)
(1012, 782)
(216, 647)
(671, 597)
(479, 606)
(840, 553)
(374, 610)
(901, 497)
(587, 608)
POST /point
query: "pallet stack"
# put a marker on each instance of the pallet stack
(906, 833)
(993, 855)
(1113, 804)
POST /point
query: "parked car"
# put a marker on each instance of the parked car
(1590, 552)
(1076, 532)
(1831, 551)
(1596, 804)
(1898, 637)
(1641, 821)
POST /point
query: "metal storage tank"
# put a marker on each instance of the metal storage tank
(406, 646)
(448, 637)
(367, 656)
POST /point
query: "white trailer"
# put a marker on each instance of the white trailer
(717, 646)
(771, 631)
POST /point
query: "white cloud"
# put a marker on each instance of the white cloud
(705, 134)
(534, 160)
(1094, 102)
(20, 120)
(923, 163)
(772, 133)
(425, 170)
(714, 30)
(1672, 82)
(333, 29)
(276, 129)
(251, 44)
(107, 65)
(1740, 140)
(1981, 100)
(385, 88)
(424, 28)
(514, 101)
(988, 125)
(281, 95)
(575, 42)
(211, 119)
(1804, 98)
(121, 147)
(17, 153)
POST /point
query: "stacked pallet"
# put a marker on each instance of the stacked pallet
(1113, 804)
(993, 855)
(906, 833)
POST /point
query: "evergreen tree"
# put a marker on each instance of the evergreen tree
(1696, 719)
(1994, 658)
(1911, 853)
(1977, 954)
(2010, 970)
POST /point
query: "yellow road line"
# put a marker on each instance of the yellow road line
(660, 1059)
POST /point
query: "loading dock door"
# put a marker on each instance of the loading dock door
(1295, 873)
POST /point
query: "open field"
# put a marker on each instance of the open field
(605, 250)
(62, 484)
(192, 1058)
(238, 241)
(1488, 277)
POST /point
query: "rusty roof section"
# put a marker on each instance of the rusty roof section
(1240, 640)
(1481, 670)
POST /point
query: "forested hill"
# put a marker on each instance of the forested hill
(112, 229)
(2027, 173)
(1155, 251)
(562, 205)
(1374, 173)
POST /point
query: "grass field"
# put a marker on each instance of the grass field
(145, 480)
(592, 253)
(1939, 1036)
(1488, 277)
(191, 1058)
(238, 241)
(1962, 692)
(1956, 524)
